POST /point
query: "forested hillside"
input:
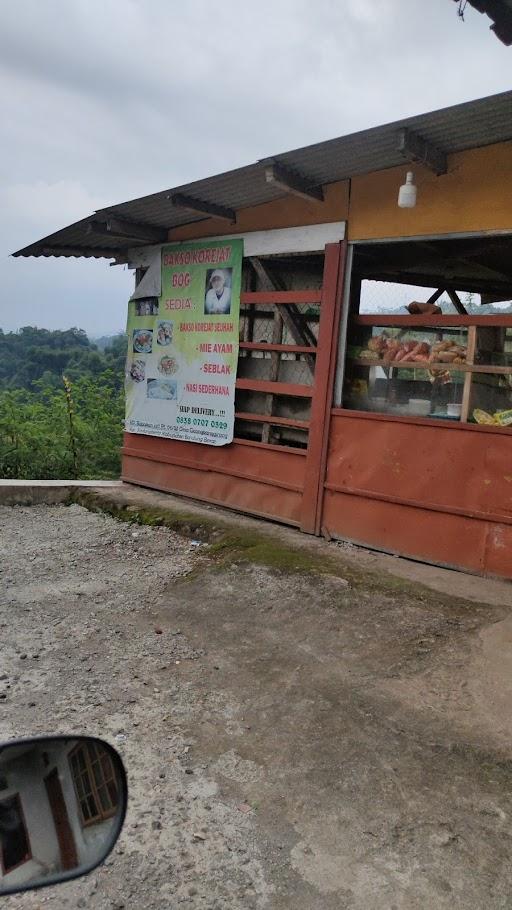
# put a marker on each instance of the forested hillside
(34, 354)
(61, 404)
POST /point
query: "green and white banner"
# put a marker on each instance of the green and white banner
(183, 346)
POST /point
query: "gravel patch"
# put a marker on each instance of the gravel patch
(84, 651)
(293, 741)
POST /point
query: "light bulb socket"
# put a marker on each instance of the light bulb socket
(407, 193)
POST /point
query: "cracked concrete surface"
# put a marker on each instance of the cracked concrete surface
(337, 746)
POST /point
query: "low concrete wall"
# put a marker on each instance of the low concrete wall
(33, 492)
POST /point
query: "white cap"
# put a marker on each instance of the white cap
(218, 273)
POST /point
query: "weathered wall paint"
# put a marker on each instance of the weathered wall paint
(291, 211)
(475, 195)
(437, 493)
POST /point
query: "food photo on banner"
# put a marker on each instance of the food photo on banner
(183, 346)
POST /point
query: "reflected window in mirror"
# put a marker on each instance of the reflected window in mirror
(94, 780)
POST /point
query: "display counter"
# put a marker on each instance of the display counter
(453, 368)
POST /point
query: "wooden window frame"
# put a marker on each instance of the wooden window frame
(21, 813)
(103, 814)
(471, 322)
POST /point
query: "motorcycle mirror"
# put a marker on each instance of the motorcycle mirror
(62, 806)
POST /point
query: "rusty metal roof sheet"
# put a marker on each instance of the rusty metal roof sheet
(463, 126)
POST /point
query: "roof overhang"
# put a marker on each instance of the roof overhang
(110, 232)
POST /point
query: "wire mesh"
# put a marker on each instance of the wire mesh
(390, 298)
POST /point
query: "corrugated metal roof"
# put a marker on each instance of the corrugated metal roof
(452, 129)
(500, 11)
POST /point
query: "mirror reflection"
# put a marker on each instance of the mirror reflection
(61, 808)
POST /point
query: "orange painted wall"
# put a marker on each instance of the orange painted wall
(475, 195)
(290, 211)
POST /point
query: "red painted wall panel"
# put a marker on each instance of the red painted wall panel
(431, 536)
(255, 479)
(447, 467)
(244, 495)
(439, 494)
(498, 550)
(258, 461)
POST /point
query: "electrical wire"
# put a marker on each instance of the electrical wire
(461, 9)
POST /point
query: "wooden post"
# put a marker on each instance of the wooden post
(468, 378)
(275, 360)
(300, 333)
(330, 310)
(457, 302)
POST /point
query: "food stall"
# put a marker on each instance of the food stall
(370, 345)
(420, 440)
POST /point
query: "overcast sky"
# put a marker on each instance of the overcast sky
(105, 100)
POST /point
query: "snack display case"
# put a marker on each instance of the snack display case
(452, 368)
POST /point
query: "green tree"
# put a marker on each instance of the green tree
(32, 353)
(50, 430)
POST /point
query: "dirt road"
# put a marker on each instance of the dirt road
(337, 745)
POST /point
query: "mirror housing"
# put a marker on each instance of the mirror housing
(62, 807)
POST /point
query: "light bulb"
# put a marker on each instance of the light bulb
(407, 192)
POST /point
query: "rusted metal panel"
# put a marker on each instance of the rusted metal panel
(424, 504)
(257, 496)
(275, 464)
(498, 550)
(423, 465)
(220, 469)
(262, 480)
(438, 537)
(425, 421)
(422, 491)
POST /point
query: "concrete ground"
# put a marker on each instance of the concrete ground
(334, 724)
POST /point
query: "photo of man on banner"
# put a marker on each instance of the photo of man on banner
(218, 291)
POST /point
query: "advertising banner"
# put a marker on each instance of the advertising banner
(183, 346)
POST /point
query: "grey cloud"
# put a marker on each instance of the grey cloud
(105, 100)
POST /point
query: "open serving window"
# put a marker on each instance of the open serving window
(278, 346)
(429, 331)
